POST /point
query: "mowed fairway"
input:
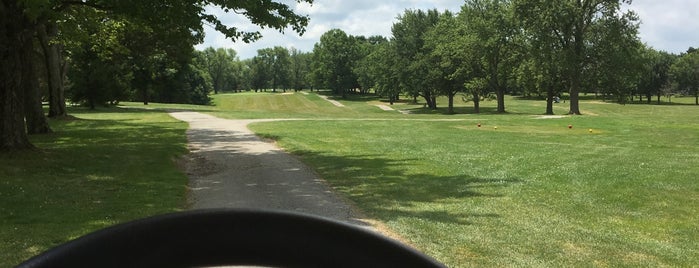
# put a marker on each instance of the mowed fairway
(530, 193)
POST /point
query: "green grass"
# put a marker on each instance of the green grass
(105, 167)
(530, 193)
(290, 105)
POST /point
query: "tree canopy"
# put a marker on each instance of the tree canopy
(165, 26)
(334, 59)
(577, 27)
(685, 73)
(536, 49)
(98, 52)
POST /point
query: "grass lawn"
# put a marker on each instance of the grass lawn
(104, 167)
(530, 193)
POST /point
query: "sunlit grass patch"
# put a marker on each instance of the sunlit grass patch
(532, 192)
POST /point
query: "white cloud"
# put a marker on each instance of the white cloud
(306, 8)
(314, 31)
(670, 25)
(377, 21)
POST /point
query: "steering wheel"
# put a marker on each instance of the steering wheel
(232, 237)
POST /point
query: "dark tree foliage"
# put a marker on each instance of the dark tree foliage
(409, 35)
(685, 73)
(174, 23)
(655, 73)
(572, 26)
(334, 59)
(300, 68)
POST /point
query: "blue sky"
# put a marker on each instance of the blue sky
(669, 25)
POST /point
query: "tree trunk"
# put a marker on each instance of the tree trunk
(430, 99)
(90, 89)
(216, 81)
(143, 78)
(574, 94)
(54, 69)
(574, 103)
(576, 75)
(476, 103)
(431, 102)
(501, 99)
(35, 119)
(144, 94)
(14, 36)
(549, 100)
(499, 91)
(451, 103)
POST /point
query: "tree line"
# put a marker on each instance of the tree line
(531, 48)
(100, 51)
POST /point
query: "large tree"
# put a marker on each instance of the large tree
(35, 118)
(222, 66)
(334, 59)
(409, 35)
(383, 71)
(449, 44)
(617, 57)
(271, 68)
(571, 23)
(56, 67)
(362, 68)
(491, 24)
(685, 73)
(655, 73)
(100, 71)
(300, 67)
(16, 31)
(19, 20)
(261, 76)
(281, 68)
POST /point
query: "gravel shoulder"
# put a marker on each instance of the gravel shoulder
(230, 167)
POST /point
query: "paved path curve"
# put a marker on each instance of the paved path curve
(230, 167)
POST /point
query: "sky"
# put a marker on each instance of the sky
(668, 25)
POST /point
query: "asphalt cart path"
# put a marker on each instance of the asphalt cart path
(230, 167)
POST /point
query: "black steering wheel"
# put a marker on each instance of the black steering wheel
(232, 237)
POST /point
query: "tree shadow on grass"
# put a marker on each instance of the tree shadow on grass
(457, 110)
(383, 188)
(137, 109)
(462, 110)
(87, 175)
